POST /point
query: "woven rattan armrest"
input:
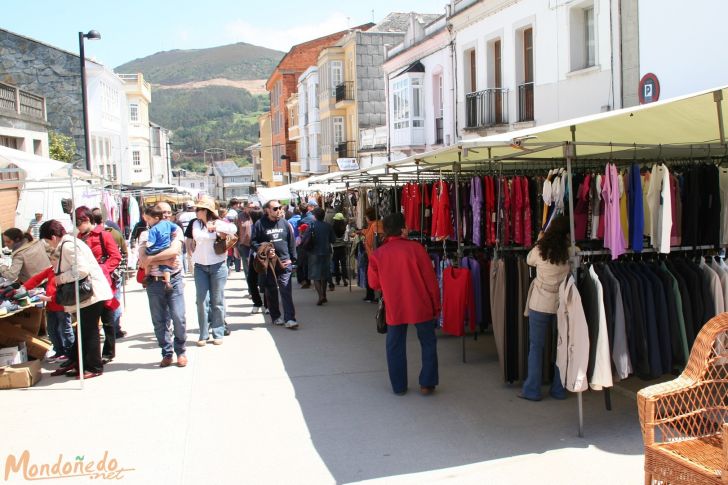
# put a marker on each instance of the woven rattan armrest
(650, 398)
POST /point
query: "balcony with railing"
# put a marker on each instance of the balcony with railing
(486, 108)
(346, 149)
(135, 83)
(525, 102)
(344, 92)
(22, 102)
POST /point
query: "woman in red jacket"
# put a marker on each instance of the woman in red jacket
(403, 272)
(107, 254)
(58, 322)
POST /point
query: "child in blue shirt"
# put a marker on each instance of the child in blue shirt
(160, 235)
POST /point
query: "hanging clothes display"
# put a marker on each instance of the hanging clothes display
(572, 350)
(659, 201)
(458, 302)
(613, 236)
(442, 227)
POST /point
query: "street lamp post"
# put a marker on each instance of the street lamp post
(91, 35)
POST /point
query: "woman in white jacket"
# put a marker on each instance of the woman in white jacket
(210, 270)
(550, 256)
(70, 252)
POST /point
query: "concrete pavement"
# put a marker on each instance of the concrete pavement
(312, 405)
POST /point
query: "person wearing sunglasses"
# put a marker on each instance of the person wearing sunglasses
(274, 228)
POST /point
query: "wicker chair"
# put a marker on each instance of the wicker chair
(684, 421)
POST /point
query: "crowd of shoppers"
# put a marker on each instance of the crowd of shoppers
(270, 243)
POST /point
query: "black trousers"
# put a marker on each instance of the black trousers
(339, 262)
(90, 316)
(252, 278)
(107, 323)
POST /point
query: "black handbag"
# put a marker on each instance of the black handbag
(381, 317)
(66, 292)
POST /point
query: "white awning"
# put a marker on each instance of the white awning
(32, 167)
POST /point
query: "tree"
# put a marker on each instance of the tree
(61, 147)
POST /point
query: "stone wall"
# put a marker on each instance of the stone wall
(49, 72)
(370, 95)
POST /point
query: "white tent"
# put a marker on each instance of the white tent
(32, 167)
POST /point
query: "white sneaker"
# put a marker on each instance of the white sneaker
(278, 321)
(291, 324)
(255, 309)
(266, 311)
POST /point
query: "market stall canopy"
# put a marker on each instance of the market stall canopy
(32, 167)
(682, 127)
(282, 192)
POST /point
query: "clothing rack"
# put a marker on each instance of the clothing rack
(673, 249)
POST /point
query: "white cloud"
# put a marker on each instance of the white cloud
(283, 38)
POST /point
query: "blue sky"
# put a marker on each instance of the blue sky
(137, 28)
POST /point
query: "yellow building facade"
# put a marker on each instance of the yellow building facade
(266, 151)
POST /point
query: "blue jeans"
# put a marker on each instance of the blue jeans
(285, 288)
(539, 325)
(244, 256)
(397, 355)
(232, 260)
(60, 332)
(210, 282)
(165, 305)
(117, 312)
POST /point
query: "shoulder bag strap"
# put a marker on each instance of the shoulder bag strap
(60, 258)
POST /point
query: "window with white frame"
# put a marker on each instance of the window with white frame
(337, 75)
(136, 161)
(408, 102)
(134, 112)
(417, 111)
(582, 36)
(338, 130)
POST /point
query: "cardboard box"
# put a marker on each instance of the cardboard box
(30, 319)
(13, 355)
(12, 335)
(20, 375)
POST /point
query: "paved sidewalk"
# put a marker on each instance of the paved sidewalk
(313, 405)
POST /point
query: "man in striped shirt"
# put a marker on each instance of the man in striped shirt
(34, 226)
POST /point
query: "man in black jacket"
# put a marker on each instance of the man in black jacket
(274, 228)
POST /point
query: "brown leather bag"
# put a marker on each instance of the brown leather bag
(223, 242)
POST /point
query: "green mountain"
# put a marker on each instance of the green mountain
(204, 97)
(239, 61)
(211, 117)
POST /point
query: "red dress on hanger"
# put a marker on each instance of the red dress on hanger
(458, 301)
(441, 223)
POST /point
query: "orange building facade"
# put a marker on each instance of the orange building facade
(281, 84)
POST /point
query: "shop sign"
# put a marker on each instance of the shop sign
(649, 90)
(347, 164)
(277, 177)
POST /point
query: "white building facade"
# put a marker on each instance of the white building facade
(675, 42)
(23, 120)
(528, 62)
(138, 96)
(420, 91)
(159, 154)
(107, 121)
(309, 149)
